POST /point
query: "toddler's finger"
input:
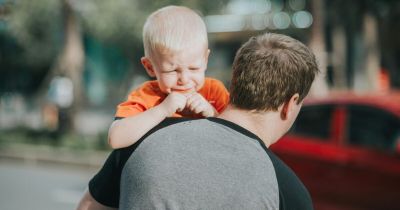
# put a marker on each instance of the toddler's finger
(193, 101)
(189, 95)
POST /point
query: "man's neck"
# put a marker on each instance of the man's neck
(261, 124)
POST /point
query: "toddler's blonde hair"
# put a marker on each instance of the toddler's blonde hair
(173, 28)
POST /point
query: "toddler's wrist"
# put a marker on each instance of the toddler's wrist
(164, 111)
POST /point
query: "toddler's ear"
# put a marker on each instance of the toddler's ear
(146, 62)
(207, 54)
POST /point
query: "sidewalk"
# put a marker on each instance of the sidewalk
(51, 155)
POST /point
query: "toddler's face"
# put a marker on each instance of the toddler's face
(181, 71)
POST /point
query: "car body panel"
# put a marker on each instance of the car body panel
(352, 160)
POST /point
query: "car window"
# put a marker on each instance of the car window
(313, 121)
(371, 127)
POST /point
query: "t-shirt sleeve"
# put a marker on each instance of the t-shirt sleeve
(141, 99)
(292, 193)
(104, 186)
(219, 95)
(132, 106)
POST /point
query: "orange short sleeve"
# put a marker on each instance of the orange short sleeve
(141, 99)
(215, 93)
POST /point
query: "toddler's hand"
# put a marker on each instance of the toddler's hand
(174, 102)
(198, 104)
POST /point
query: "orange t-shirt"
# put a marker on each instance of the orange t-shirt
(149, 95)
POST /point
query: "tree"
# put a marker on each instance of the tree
(317, 45)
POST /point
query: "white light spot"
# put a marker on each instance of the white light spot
(302, 19)
(262, 6)
(258, 22)
(248, 7)
(281, 20)
(224, 23)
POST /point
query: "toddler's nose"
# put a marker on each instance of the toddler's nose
(183, 78)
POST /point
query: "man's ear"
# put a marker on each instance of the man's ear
(146, 62)
(290, 107)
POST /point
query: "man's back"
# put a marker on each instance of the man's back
(200, 164)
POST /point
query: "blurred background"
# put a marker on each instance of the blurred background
(66, 64)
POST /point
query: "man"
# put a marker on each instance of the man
(224, 162)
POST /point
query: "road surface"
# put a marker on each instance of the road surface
(35, 186)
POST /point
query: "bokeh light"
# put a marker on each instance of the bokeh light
(281, 20)
(224, 23)
(302, 19)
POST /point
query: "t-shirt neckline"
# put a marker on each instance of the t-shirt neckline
(238, 128)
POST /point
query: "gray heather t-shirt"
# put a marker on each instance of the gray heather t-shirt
(199, 164)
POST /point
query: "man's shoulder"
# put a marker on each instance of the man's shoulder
(125, 153)
(171, 121)
(292, 192)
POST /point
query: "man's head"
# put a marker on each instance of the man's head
(269, 70)
(176, 48)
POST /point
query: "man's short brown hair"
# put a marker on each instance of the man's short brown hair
(268, 70)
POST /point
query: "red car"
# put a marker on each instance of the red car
(346, 150)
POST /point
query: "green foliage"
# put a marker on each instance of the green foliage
(36, 27)
(111, 21)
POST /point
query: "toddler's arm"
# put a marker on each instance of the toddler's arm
(127, 131)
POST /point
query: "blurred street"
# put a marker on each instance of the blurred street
(36, 186)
